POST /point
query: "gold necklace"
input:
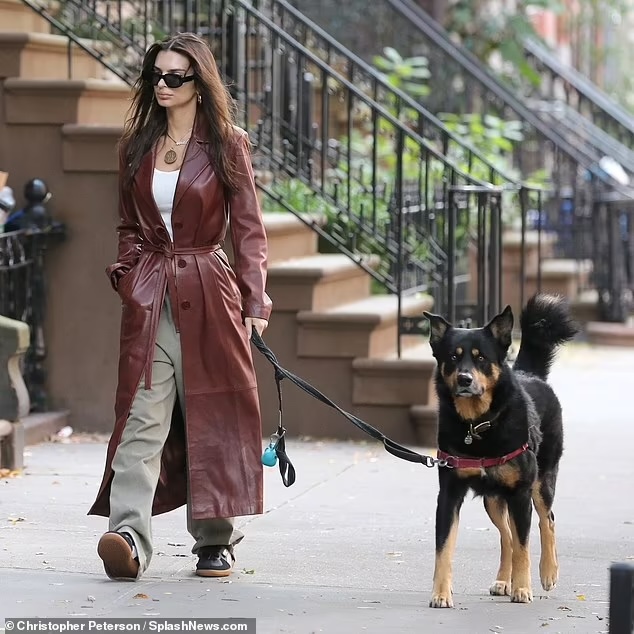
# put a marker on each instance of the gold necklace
(171, 156)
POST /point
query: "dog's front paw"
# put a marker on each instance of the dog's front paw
(500, 588)
(549, 574)
(521, 595)
(441, 600)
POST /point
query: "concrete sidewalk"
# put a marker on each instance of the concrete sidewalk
(350, 546)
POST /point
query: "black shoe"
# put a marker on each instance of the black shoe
(213, 561)
(116, 550)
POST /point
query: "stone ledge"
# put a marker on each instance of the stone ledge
(40, 427)
(603, 333)
(90, 148)
(60, 101)
(31, 55)
(393, 381)
(424, 419)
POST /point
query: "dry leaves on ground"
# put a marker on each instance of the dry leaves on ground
(10, 473)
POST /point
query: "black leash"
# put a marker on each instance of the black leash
(278, 447)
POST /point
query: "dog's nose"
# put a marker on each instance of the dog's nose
(464, 379)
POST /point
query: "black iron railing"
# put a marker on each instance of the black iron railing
(30, 233)
(570, 154)
(377, 170)
(560, 82)
(23, 297)
(613, 222)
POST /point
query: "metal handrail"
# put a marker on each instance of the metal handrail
(473, 66)
(379, 79)
(590, 91)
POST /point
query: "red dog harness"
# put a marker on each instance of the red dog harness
(456, 462)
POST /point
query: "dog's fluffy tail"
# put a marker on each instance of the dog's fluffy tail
(546, 324)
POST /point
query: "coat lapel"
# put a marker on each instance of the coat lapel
(144, 182)
(194, 163)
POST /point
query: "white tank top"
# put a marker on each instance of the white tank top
(163, 190)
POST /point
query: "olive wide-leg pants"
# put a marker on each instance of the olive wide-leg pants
(137, 461)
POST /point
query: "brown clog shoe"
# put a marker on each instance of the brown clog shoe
(115, 550)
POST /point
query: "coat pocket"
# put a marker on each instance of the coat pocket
(229, 273)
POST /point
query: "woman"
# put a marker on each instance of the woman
(188, 427)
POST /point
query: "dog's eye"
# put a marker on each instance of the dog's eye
(454, 357)
(480, 358)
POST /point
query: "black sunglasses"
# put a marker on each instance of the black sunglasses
(172, 80)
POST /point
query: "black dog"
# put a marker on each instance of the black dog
(500, 433)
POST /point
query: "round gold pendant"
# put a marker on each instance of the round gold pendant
(170, 157)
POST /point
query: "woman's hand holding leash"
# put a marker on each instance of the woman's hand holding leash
(254, 322)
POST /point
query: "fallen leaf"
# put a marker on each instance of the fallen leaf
(140, 595)
(10, 473)
(564, 607)
(91, 598)
(581, 597)
(14, 520)
(248, 572)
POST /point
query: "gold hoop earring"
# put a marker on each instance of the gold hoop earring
(200, 99)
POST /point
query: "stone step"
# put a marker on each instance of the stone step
(424, 419)
(17, 16)
(289, 237)
(40, 427)
(395, 381)
(43, 56)
(560, 276)
(603, 333)
(366, 328)
(317, 282)
(585, 306)
(48, 101)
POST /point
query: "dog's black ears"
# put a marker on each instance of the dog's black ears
(501, 327)
(439, 327)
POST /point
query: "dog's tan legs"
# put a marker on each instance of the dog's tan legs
(520, 511)
(450, 498)
(442, 592)
(548, 565)
(498, 513)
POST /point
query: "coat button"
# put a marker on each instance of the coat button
(185, 305)
(178, 225)
(182, 264)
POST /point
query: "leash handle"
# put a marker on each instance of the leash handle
(280, 373)
(276, 451)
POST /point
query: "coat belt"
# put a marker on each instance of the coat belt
(169, 271)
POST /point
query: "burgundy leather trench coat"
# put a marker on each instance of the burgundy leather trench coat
(216, 451)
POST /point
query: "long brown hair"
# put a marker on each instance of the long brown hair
(147, 121)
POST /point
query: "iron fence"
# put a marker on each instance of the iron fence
(613, 221)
